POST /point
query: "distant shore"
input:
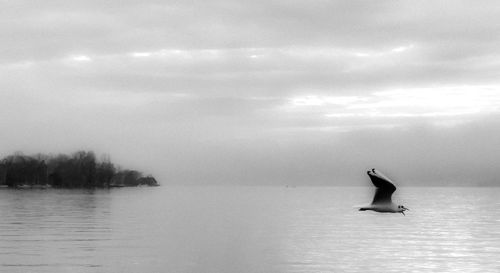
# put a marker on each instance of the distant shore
(78, 170)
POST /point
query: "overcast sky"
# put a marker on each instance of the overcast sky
(258, 92)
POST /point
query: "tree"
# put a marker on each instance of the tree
(80, 170)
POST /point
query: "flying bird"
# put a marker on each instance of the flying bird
(382, 201)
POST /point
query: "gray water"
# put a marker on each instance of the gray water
(247, 230)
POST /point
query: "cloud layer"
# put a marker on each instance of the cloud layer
(257, 92)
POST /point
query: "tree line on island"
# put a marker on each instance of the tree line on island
(78, 170)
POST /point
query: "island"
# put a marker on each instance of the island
(78, 170)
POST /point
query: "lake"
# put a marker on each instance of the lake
(247, 230)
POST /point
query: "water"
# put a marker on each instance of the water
(247, 230)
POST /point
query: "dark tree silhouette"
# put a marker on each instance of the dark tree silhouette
(80, 170)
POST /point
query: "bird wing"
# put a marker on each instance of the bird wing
(384, 186)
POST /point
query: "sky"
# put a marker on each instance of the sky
(258, 92)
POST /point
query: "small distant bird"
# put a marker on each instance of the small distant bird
(382, 201)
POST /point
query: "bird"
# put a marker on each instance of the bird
(382, 201)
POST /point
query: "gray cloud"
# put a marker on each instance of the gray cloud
(257, 92)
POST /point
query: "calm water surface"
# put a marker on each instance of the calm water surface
(247, 230)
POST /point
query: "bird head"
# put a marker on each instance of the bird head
(402, 209)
